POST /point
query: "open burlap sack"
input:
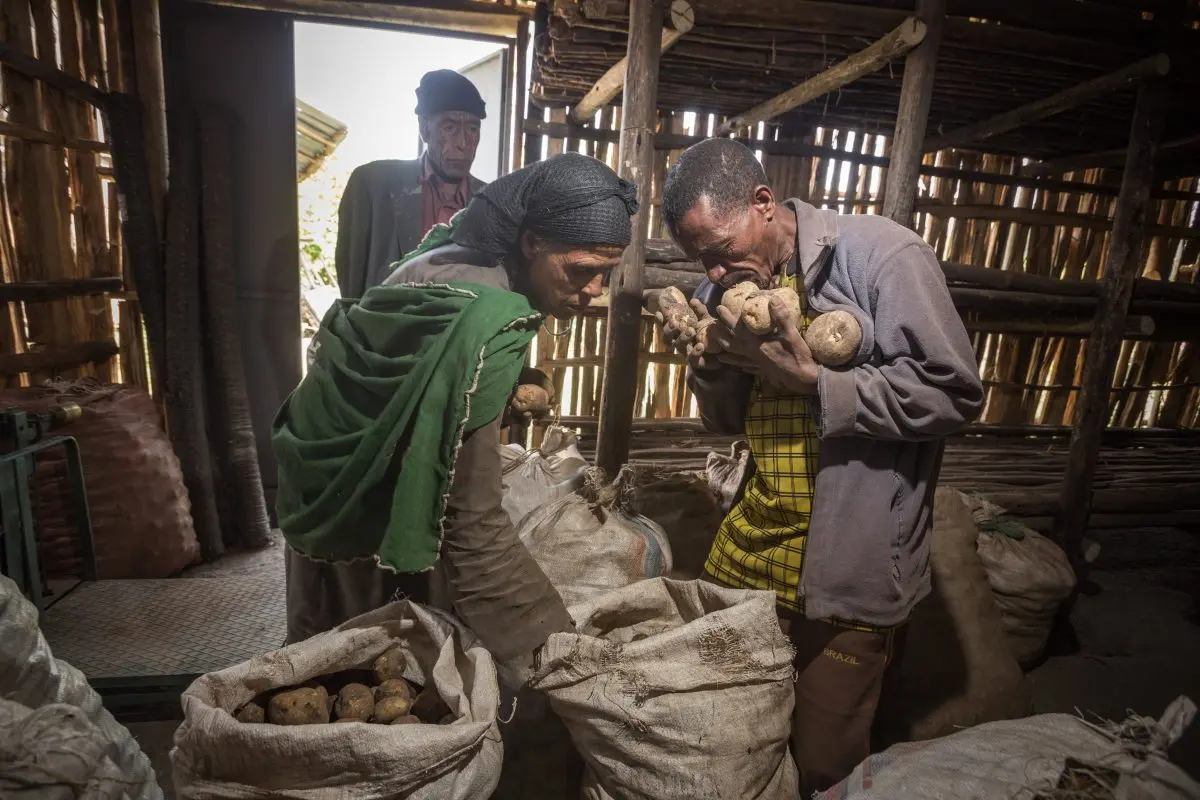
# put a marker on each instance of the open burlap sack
(215, 756)
(56, 738)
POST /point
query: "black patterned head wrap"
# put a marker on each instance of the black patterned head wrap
(568, 199)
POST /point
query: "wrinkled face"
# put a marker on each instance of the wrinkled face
(559, 278)
(451, 138)
(735, 246)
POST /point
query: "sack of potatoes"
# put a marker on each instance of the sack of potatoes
(402, 701)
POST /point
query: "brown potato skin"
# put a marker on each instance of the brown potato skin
(395, 687)
(407, 719)
(390, 664)
(735, 299)
(834, 338)
(355, 701)
(303, 706)
(251, 713)
(389, 709)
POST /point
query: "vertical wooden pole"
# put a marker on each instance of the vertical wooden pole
(518, 105)
(635, 164)
(916, 91)
(1122, 268)
(146, 34)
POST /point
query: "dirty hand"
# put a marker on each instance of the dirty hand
(675, 338)
(782, 359)
(703, 347)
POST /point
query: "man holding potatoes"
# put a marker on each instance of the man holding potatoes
(845, 418)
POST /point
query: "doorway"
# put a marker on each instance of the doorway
(355, 94)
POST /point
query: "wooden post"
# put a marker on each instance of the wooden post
(916, 92)
(608, 86)
(898, 42)
(1157, 65)
(148, 55)
(518, 105)
(1121, 271)
(636, 162)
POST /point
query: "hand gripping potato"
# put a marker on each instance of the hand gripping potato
(756, 312)
(735, 299)
(834, 338)
(675, 312)
(531, 399)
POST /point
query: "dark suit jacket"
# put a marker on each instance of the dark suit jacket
(379, 221)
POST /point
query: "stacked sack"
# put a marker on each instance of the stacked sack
(56, 739)
(1030, 577)
(676, 690)
(1050, 756)
(591, 541)
(540, 476)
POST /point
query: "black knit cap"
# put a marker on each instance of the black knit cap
(568, 199)
(446, 90)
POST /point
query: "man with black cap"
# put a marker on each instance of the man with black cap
(390, 205)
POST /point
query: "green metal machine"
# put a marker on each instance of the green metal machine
(22, 437)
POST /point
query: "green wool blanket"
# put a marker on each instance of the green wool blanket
(366, 444)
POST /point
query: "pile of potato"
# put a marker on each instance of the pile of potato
(380, 695)
(833, 338)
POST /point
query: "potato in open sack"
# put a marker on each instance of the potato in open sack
(216, 756)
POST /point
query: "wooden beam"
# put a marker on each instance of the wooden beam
(483, 19)
(1105, 158)
(636, 164)
(899, 41)
(29, 134)
(37, 68)
(1030, 216)
(912, 117)
(41, 291)
(674, 141)
(1154, 66)
(1121, 270)
(680, 20)
(53, 359)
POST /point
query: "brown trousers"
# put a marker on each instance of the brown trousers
(840, 676)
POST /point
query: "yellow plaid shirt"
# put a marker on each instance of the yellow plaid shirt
(760, 544)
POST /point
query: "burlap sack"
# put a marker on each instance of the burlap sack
(683, 505)
(590, 542)
(141, 517)
(676, 690)
(540, 476)
(217, 757)
(56, 753)
(1030, 577)
(956, 669)
(55, 736)
(1050, 756)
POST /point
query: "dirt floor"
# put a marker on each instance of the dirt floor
(1133, 642)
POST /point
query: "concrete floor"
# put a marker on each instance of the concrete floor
(1135, 643)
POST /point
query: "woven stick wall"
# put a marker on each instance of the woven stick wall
(1029, 347)
(65, 312)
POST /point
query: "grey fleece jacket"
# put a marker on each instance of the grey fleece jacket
(881, 419)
